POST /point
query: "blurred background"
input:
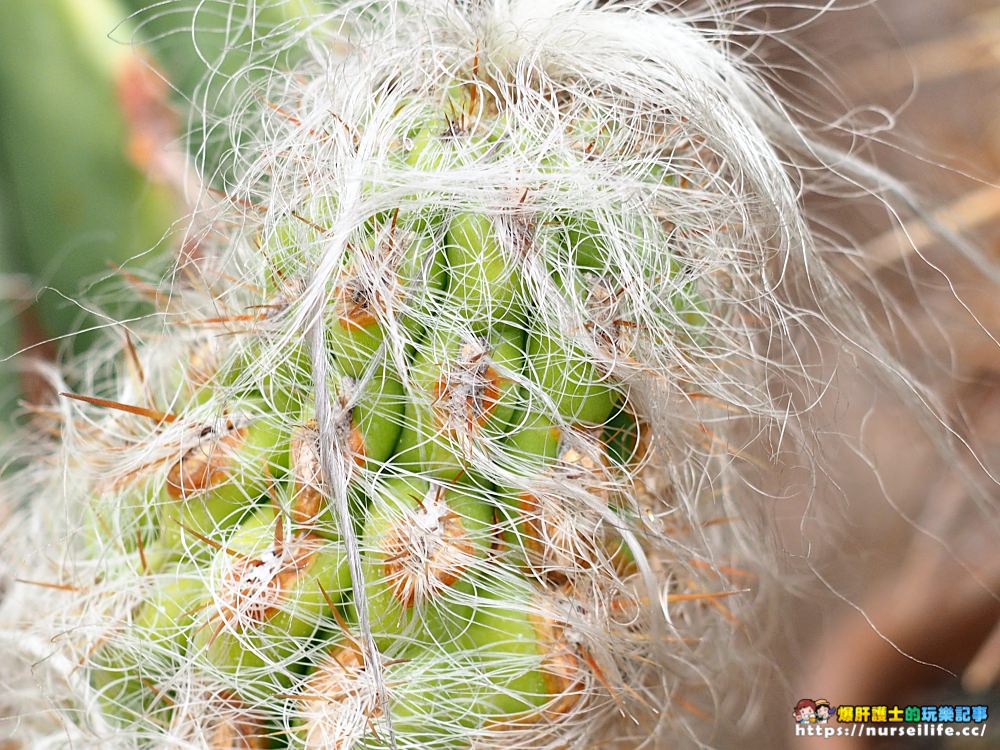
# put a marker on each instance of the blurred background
(898, 596)
(903, 603)
(101, 105)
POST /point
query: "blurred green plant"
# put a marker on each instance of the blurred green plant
(209, 50)
(72, 157)
(195, 40)
(11, 300)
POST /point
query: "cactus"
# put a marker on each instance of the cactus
(480, 334)
(12, 293)
(75, 158)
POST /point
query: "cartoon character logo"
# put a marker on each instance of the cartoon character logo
(805, 711)
(823, 710)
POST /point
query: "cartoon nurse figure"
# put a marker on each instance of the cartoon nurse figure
(805, 711)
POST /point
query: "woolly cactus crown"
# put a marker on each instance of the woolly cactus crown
(438, 439)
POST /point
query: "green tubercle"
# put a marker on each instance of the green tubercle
(166, 618)
(564, 372)
(281, 386)
(129, 683)
(126, 689)
(523, 651)
(433, 700)
(393, 276)
(465, 394)
(274, 594)
(484, 281)
(229, 466)
(551, 531)
(422, 543)
(367, 424)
